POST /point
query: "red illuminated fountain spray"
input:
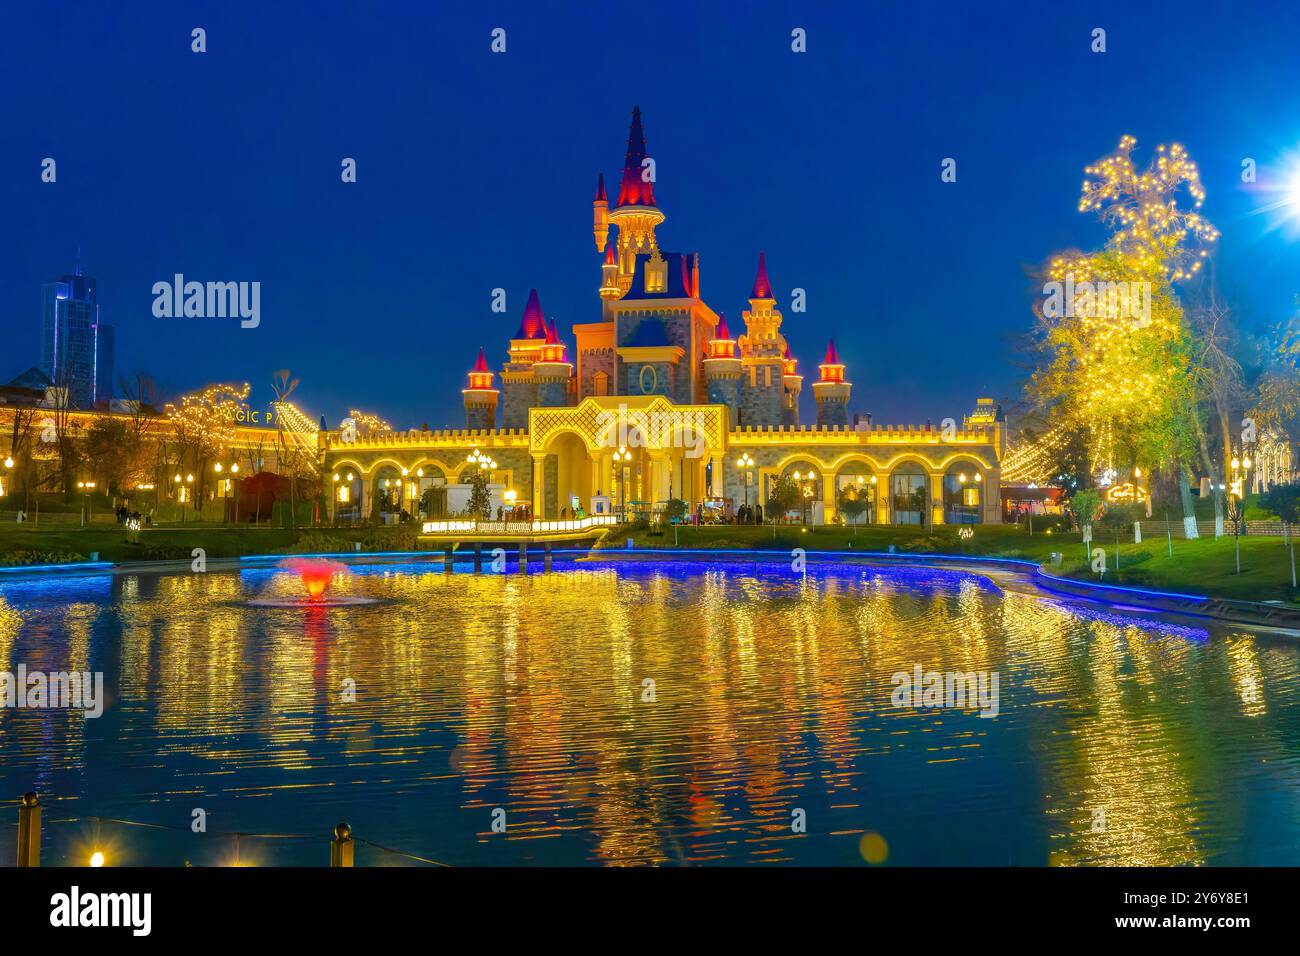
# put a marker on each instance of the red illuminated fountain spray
(316, 575)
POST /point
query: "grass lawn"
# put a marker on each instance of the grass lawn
(24, 544)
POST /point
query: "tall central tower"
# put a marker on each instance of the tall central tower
(635, 215)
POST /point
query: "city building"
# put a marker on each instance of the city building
(76, 348)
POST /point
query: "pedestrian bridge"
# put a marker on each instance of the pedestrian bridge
(541, 529)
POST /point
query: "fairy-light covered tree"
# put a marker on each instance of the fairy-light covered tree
(1112, 339)
(203, 426)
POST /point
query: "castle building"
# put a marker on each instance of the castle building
(658, 378)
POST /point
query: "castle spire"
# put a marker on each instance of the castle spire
(600, 215)
(722, 345)
(832, 392)
(832, 370)
(480, 397)
(533, 325)
(762, 287)
(633, 191)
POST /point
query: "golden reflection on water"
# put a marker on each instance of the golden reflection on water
(647, 715)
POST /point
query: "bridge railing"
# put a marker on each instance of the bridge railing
(536, 526)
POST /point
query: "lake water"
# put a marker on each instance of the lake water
(644, 713)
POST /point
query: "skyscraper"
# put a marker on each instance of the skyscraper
(76, 349)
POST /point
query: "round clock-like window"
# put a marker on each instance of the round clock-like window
(649, 379)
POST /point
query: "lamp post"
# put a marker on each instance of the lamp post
(9, 467)
(219, 467)
(621, 458)
(1237, 491)
(805, 483)
(745, 463)
(334, 501)
(86, 488)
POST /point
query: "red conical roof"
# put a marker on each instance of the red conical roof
(722, 331)
(600, 189)
(632, 191)
(532, 326)
(762, 287)
(609, 254)
(552, 334)
(788, 356)
(832, 357)
(481, 364)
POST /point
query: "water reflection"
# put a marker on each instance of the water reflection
(652, 713)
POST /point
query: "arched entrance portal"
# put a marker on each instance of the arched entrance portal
(963, 494)
(909, 499)
(856, 493)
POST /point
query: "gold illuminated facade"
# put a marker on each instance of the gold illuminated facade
(658, 401)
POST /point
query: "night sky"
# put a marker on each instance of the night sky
(477, 170)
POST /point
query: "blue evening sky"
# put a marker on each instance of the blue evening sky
(477, 170)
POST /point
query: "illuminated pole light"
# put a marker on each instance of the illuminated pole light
(621, 458)
(97, 859)
(746, 462)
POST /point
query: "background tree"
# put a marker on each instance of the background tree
(1283, 501)
(60, 402)
(783, 495)
(1120, 374)
(108, 445)
(21, 436)
(288, 450)
(143, 400)
(203, 426)
(852, 503)
(480, 501)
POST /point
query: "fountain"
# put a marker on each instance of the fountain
(316, 575)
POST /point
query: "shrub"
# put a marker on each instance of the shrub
(785, 495)
(674, 510)
(1057, 524)
(1084, 505)
(1282, 501)
(25, 558)
(1120, 517)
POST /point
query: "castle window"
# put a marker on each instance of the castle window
(656, 273)
(767, 375)
(600, 384)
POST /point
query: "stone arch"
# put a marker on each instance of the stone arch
(908, 493)
(964, 487)
(906, 457)
(855, 479)
(349, 463)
